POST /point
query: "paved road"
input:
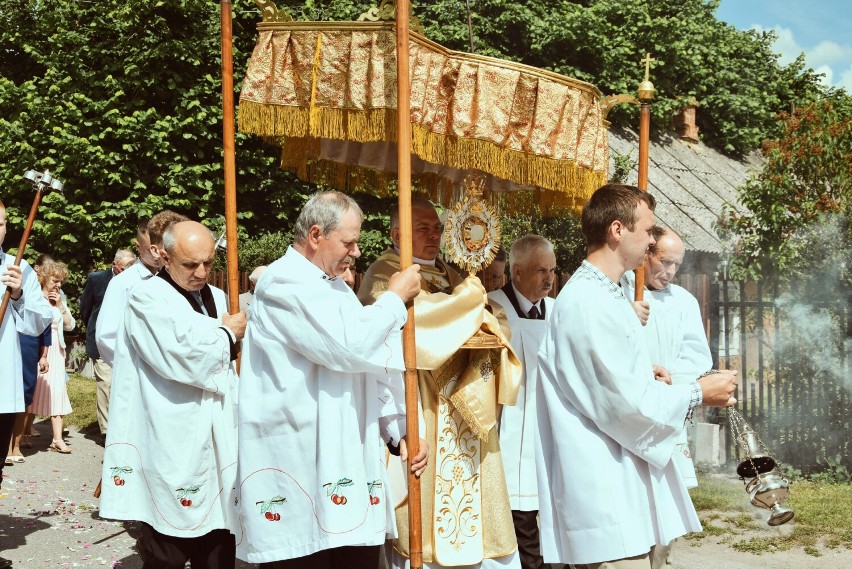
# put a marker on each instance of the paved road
(49, 518)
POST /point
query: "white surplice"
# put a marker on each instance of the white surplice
(171, 448)
(608, 488)
(320, 387)
(113, 307)
(30, 315)
(676, 340)
(519, 423)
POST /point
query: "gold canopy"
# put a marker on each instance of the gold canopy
(326, 92)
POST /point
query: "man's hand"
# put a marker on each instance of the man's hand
(43, 365)
(418, 465)
(13, 279)
(406, 284)
(643, 310)
(662, 374)
(717, 389)
(236, 323)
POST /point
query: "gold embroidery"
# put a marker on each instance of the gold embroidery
(457, 484)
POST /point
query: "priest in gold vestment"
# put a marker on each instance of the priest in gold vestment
(467, 521)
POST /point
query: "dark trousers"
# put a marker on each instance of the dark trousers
(529, 546)
(215, 550)
(7, 423)
(363, 557)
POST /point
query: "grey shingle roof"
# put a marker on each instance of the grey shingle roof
(690, 181)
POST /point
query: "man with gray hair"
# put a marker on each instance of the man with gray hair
(674, 334)
(321, 381)
(171, 448)
(90, 307)
(526, 305)
(248, 296)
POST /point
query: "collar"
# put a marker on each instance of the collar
(524, 303)
(521, 304)
(140, 268)
(309, 270)
(418, 260)
(206, 295)
(590, 272)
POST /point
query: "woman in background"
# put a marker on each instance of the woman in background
(51, 395)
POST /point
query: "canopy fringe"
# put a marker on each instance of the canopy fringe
(301, 129)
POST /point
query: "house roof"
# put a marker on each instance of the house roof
(690, 182)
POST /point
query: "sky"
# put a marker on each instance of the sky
(822, 29)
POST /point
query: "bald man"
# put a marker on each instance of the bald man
(171, 449)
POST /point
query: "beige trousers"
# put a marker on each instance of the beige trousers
(655, 559)
(103, 380)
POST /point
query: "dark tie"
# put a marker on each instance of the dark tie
(196, 296)
(534, 314)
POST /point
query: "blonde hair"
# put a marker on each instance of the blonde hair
(55, 269)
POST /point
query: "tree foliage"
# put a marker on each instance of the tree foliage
(802, 192)
(122, 100)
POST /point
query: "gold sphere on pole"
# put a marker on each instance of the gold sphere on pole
(646, 91)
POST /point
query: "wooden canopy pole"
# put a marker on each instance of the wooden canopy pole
(406, 258)
(646, 93)
(230, 158)
(43, 184)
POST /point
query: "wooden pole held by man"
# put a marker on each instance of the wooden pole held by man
(406, 258)
(230, 157)
(646, 93)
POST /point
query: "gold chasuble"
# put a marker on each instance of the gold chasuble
(465, 504)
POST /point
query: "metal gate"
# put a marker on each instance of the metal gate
(791, 350)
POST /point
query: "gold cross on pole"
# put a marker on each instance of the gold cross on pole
(647, 61)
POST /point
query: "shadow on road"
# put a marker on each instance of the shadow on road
(14, 530)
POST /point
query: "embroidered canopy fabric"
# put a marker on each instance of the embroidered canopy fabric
(327, 93)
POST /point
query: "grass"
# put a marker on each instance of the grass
(83, 396)
(822, 517)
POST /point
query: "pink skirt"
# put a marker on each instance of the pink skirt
(51, 394)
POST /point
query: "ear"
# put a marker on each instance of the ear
(616, 230)
(314, 235)
(395, 235)
(155, 251)
(164, 257)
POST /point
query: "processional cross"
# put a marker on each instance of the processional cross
(647, 61)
